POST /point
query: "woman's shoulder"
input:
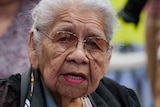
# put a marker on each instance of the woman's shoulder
(116, 89)
(115, 94)
(10, 91)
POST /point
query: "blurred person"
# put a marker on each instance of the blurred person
(130, 13)
(69, 50)
(15, 23)
(152, 44)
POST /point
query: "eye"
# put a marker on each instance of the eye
(65, 38)
(91, 44)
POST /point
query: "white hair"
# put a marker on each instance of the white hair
(45, 13)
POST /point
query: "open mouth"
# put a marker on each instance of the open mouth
(74, 79)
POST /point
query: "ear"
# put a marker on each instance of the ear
(32, 53)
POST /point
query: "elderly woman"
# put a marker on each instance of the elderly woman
(69, 52)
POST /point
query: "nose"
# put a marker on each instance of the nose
(78, 55)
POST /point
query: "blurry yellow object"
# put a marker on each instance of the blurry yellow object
(128, 33)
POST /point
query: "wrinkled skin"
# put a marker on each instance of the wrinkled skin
(56, 66)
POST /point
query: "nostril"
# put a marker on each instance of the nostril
(78, 56)
(75, 62)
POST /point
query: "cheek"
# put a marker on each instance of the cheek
(49, 57)
(96, 74)
(50, 65)
(51, 69)
(97, 71)
(99, 67)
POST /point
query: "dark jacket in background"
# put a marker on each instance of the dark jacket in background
(131, 11)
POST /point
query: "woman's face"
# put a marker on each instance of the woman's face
(70, 70)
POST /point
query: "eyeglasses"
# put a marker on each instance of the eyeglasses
(96, 46)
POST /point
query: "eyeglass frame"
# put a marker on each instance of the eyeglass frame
(83, 41)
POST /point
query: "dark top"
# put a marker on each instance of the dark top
(14, 92)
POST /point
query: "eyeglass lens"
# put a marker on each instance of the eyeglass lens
(95, 46)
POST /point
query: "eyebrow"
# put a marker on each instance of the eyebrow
(65, 27)
(96, 33)
(69, 26)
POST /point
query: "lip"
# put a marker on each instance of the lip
(74, 78)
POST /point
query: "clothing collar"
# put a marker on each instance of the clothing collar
(49, 99)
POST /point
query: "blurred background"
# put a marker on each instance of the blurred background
(129, 61)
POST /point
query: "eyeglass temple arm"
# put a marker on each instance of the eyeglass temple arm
(44, 34)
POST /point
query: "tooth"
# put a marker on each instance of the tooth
(74, 77)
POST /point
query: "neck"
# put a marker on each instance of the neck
(67, 102)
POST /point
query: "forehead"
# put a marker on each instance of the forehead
(79, 20)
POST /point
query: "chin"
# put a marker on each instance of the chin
(72, 92)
